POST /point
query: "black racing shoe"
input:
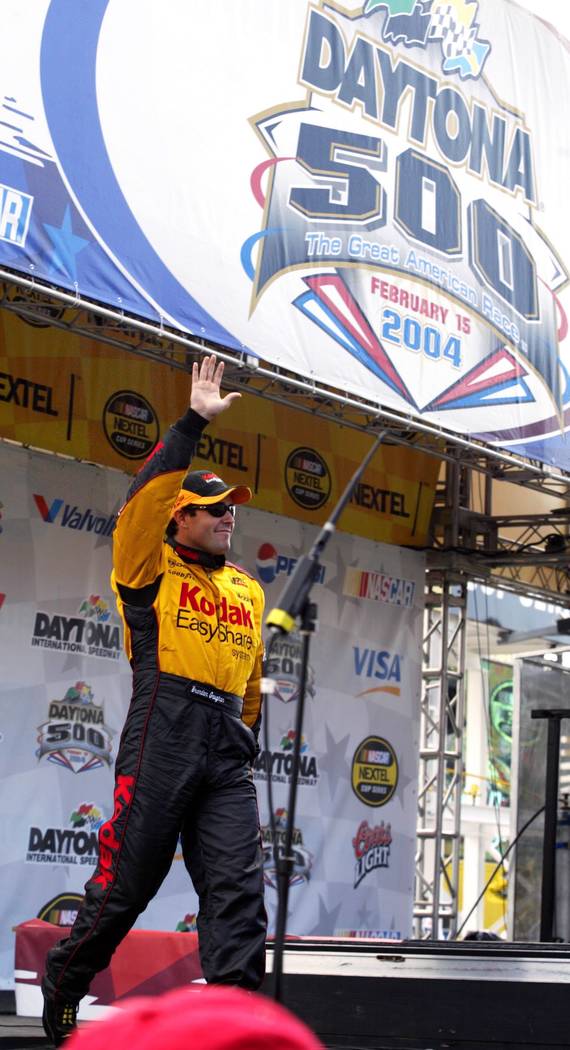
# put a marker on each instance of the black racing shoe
(59, 1018)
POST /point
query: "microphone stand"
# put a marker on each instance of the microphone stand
(294, 604)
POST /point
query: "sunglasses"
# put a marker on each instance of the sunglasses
(217, 510)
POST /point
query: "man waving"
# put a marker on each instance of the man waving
(193, 637)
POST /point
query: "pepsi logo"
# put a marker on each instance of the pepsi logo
(266, 563)
(270, 564)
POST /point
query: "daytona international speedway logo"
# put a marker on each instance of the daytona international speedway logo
(278, 763)
(90, 631)
(76, 844)
(400, 205)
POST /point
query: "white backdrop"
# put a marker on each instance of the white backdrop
(369, 193)
(65, 688)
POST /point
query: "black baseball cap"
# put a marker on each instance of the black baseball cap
(203, 487)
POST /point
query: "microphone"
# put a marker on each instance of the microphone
(296, 591)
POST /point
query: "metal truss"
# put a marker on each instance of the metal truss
(441, 756)
(528, 553)
(43, 305)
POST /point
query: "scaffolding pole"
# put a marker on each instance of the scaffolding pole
(441, 756)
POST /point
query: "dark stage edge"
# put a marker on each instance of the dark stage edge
(427, 995)
(410, 995)
(25, 1033)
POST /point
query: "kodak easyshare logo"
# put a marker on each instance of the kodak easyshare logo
(193, 598)
(227, 622)
(74, 518)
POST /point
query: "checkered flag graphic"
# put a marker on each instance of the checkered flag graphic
(457, 40)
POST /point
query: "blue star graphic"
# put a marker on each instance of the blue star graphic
(66, 246)
(327, 918)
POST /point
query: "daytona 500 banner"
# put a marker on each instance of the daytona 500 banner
(65, 689)
(371, 194)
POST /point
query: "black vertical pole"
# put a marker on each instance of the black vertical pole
(550, 823)
(286, 859)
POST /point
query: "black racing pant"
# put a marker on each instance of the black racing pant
(184, 767)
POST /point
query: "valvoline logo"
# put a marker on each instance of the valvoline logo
(270, 564)
(74, 518)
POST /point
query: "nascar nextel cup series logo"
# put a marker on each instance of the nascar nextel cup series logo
(374, 771)
(130, 424)
(75, 735)
(270, 564)
(307, 478)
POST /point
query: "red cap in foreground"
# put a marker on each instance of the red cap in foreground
(198, 1018)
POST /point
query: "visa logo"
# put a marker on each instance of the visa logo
(73, 518)
(15, 211)
(380, 664)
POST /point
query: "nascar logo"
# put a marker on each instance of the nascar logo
(379, 587)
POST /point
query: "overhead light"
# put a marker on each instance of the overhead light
(554, 543)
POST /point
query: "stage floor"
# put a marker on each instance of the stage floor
(26, 1033)
(410, 995)
(18, 1033)
(428, 995)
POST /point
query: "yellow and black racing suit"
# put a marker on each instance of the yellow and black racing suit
(193, 636)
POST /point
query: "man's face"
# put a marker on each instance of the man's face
(205, 532)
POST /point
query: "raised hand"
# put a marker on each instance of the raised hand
(205, 396)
